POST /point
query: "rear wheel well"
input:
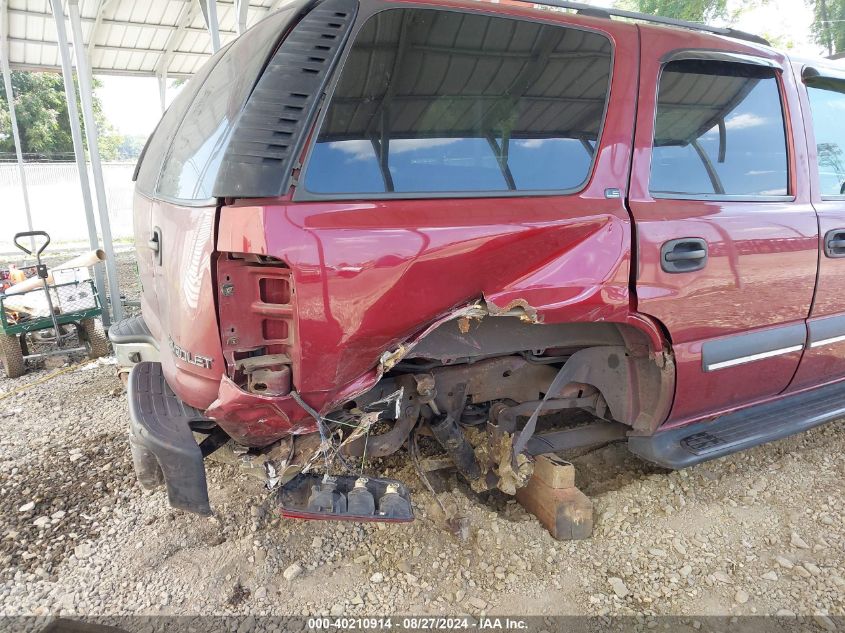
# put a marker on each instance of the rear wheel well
(475, 361)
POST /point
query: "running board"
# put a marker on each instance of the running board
(734, 432)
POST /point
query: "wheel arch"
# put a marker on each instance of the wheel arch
(629, 363)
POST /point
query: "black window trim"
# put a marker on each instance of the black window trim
(822, 78)
(716, 55)
(369, 10)
(707, 54)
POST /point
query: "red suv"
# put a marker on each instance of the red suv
(368, 219)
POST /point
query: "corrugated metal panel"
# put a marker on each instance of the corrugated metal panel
(140, 37)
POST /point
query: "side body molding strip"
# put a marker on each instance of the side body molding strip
(747, 348)
(827, 331)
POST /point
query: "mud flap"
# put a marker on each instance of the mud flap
(163, 446)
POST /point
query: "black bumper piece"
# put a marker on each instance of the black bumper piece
(164, 450)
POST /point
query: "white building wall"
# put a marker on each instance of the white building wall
(56, 201)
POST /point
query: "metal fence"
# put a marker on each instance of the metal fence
(55, 199)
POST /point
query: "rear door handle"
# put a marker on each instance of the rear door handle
(684, 255)
(154, 244)
(834, 243)
(675, 256)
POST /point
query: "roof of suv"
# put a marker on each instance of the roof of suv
(603, 13)
(700, 35)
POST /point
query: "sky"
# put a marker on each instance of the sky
(132, 103)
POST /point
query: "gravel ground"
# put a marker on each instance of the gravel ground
(756, 533)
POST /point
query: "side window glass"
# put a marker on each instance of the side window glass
(828, 110)
(444, 101)
(719, 130)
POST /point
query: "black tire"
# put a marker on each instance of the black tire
(94, 338)
(10, 350)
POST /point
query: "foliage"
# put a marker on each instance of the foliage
(130, 147)
(828, 26)
(830, 155)
(43, 120)
(704, 11)
(691, 10)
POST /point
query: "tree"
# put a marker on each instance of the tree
(43, 120)
(704, 11)
(830, 155)
(828, 26)
(130, 147)
(690, 10)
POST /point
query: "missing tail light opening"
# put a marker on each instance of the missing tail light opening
(257, 325)
(274, 290)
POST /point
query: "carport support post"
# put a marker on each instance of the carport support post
(86, 90)
(78, 149)
(162, 89)
(241, 8)
(13, 119)
(209, 12)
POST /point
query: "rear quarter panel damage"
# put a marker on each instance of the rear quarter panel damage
(370, 276)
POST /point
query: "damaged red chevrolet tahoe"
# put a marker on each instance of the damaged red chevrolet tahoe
(364, 220)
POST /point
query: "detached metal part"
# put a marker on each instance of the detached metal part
(318, 497)
(267, 375)
(447, 432)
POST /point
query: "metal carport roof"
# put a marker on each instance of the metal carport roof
(128, 37)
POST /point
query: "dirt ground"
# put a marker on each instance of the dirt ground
(761, 532)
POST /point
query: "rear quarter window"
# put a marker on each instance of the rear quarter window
(191, 166)
(149, 166)
(828, 113)
(432, 101)
(719, 130)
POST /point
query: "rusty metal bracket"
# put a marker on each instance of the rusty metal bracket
(577, 437)
(506, 416)
(408, 412)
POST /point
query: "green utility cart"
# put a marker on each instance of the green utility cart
(51, 313)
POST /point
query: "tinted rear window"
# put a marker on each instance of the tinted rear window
(441, 101)
(828, 108)
(719, 130)
(159, 142)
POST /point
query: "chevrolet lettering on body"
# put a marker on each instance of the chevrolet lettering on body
(189, 357)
